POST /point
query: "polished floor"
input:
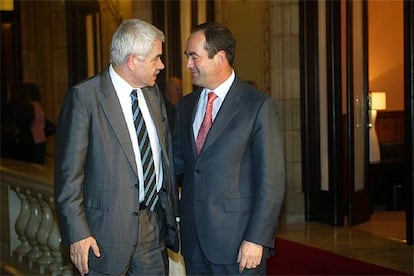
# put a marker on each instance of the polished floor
(380, 241)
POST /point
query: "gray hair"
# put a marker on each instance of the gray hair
(133, 36)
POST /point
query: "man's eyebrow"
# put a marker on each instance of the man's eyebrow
(157, 57)
(190, 53)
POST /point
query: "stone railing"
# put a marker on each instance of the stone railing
(33, 244)
(30, 235)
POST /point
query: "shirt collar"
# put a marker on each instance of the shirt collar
(222, 89)
(119, 83)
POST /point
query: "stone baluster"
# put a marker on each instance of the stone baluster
(54, 242)
(21, 224)
(69, 270)
(43, 233)
(32, 228)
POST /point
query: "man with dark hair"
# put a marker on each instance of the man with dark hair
(229, 147)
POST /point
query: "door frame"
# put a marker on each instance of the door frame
(409, 114)
(329, 207)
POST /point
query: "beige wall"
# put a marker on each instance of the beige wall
(245, 20)
(386, 60)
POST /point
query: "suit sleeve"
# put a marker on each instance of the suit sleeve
(267, 143)
(70, 154)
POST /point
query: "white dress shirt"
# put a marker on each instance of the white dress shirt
(221, 92)
(123, 91)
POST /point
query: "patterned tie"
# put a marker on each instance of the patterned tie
(207, 122)
(148, 167)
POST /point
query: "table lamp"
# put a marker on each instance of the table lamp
(377, 101)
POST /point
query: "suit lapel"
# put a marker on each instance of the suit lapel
(228, 110)
(113, 112)
(191, 116)
(152, 98)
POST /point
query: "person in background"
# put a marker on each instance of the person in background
(115, 188)
(172, 94)
(24, 124)
(174, 90)
(17, 117)
(38, 150)
(229, 146)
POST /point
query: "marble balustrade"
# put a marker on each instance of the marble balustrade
(34, 235)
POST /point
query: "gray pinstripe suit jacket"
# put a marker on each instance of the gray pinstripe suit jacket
(96, 176)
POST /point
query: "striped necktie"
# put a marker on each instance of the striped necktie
(147, 160)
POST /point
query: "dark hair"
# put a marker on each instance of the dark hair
(218, 37)
(32, 91)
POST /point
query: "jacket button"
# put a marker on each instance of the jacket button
(135, 213)
(136, 186)
(197, 171)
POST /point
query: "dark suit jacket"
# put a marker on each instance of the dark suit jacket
(233, 190)
(96, 176)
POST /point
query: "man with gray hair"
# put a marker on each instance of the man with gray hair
(115, 190)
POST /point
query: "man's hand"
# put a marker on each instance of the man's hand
(250, 255)
(79, 253)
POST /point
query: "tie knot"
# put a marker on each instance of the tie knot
(134, 94)
(211, 96)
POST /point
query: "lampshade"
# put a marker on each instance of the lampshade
(378, 100)
(6, 5)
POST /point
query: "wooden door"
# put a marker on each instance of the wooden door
(334, 105)
(357, 111)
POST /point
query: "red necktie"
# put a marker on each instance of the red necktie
(207, 122)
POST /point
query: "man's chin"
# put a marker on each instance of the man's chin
(195, 81)
(150, 84)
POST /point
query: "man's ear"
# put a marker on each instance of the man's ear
(132, 61)
(221, 56)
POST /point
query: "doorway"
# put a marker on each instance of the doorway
(386, 88)
(338, 192)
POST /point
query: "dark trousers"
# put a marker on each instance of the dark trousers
(198, 264)
(149, 256)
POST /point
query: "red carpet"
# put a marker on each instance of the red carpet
(296, 259)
